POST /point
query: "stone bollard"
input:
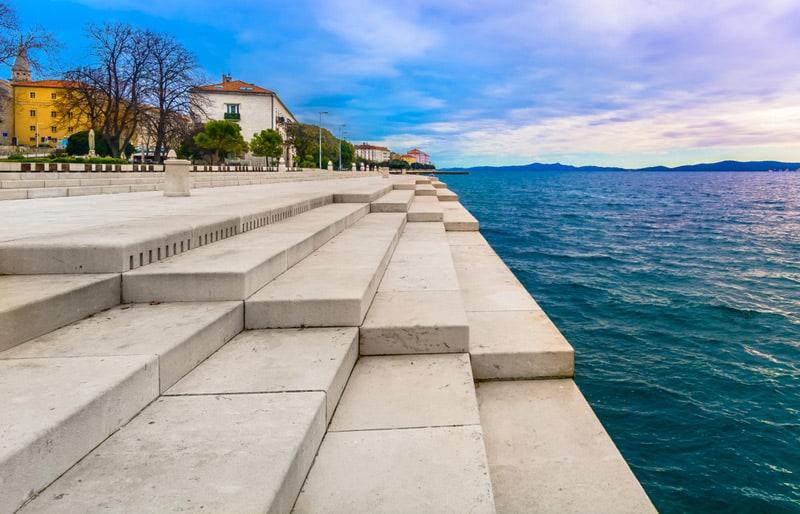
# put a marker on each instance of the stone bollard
(330, 166)
(384, 172)
(354, 166)
(282, 165)
(177, 181)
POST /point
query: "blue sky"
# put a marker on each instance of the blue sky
(605, 82)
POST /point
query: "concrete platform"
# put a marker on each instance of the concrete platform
(440, 469)
(334, 286)
(418, 308)
(36, 304)
(179, 335)
(425, 189)
(56, 410)
(237, 267)
(367, 193)
(412, 391)
(457, 218)
(218, 453)
(548, 452)
(278, 361)
(425, 209)
(445, 195)
(398, 200)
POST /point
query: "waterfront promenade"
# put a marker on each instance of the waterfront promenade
(285, 342)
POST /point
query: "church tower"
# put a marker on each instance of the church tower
(21, 71)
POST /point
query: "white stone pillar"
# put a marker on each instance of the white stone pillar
(330, 166)
(354, 166)
(282, 165)
(177, 181)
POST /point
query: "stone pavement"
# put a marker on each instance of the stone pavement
(348, 345)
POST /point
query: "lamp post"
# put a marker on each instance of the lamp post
(341, 134)
(320, 137)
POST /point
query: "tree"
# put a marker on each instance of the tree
(172, 72)
(110, 92)
(305, 138)
(267, 143)
(221, 138)
(34, 40)
(78, 144)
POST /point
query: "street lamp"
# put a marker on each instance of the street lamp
(320, 137)
(341, 134)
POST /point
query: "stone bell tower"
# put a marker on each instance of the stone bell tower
(21, 70)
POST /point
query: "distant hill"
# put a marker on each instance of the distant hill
(716, 166)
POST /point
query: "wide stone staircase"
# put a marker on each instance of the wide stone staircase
(332, 349)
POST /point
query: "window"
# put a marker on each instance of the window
(33, 94)
(69, 130)
(53, 114)
(33, 113)
(69, 115)
(33, 128)
(33, 139)
(53, 96)
(232, 108)
(54, 129)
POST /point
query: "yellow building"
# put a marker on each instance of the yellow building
(36, 120)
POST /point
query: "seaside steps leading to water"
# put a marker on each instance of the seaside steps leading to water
(225, 418)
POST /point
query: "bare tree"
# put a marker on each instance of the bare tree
(172, 73)
(109, 93)
(34, 40)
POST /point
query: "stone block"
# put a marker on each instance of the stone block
(238, 453)
(425, 209)
(32, 305)
(548, 452)
(278, 361)
(410, 322)
(440, 469)
(56, 410)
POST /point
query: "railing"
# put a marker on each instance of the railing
(232, 116)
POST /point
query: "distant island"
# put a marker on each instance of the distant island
(716, 166)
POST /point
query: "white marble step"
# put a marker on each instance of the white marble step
(425, 209)
(335, 285)
(457, 218)
(405, 438)
(397, 200)
(33, 305)
(548, 452)
(237, 267)
(237, 434)
(511, 337)
(418, 307)
(65, 392)
(425, 189)
(366, 193)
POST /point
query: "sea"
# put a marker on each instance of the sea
(680, 292)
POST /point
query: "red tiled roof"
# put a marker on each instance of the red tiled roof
(45, 83)
(372, 147)
(235, 86)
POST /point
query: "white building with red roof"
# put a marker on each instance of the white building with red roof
(252, 107)
(372, 153)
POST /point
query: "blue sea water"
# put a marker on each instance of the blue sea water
(680, 293)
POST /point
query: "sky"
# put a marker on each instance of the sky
(628, 83)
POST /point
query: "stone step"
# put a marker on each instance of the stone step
(425, 189)
(65, 392)
(438, 184)
(335, 285)
(202, 453)
(281, 383)
(33, 305)
(124, 245)
(445, 195)
(458, 219)
(366, 193)
(237, 267)
(548, 452)
(510, 335)
(425, 209)
(397, 200)
(418, 307)
(406, 437)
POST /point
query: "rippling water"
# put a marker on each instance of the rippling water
(681, 295)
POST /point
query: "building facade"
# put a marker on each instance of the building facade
(372, 153)
(31, 116)
(252, 107)
(419, 156)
